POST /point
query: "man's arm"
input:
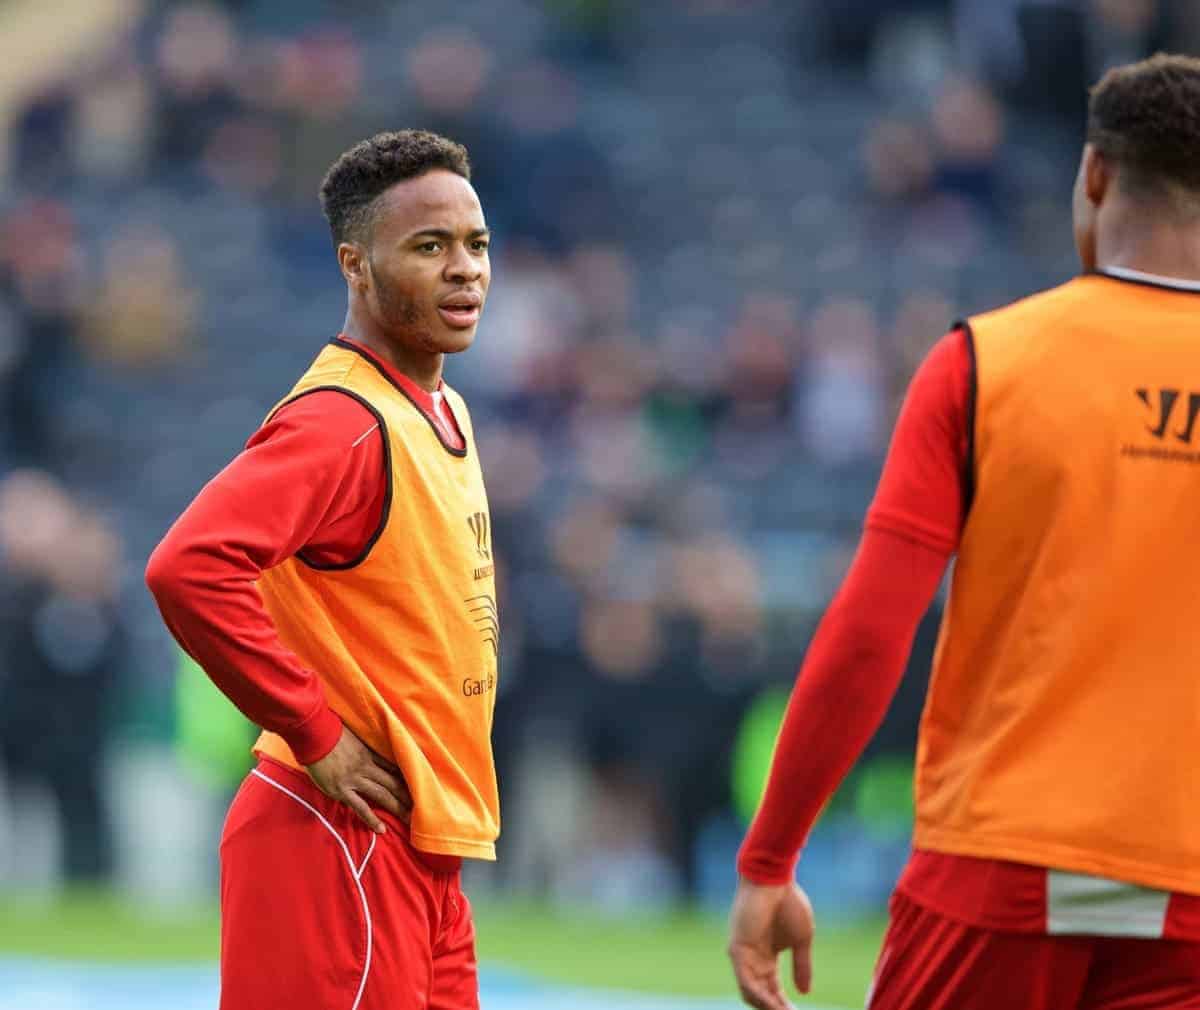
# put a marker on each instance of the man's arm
(314, 478)
(297, 475)
(861, 647)
(856, 660)
(850, 675)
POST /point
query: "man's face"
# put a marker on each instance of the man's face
(427, 263)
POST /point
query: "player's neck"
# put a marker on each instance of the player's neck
(423, 367)
(1163, 248)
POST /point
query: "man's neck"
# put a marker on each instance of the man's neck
(1164, 249)
(423, 367)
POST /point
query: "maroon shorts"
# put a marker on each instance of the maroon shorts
(930, 962)
(320, 913)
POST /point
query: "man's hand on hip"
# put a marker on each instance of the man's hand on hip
(766, 920)
(355, 775)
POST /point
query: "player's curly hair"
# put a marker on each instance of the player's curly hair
(1146, 118)
(371, 166)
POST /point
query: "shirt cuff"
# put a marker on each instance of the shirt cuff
(759, 868)
(315, 737)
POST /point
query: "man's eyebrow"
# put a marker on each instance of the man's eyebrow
(442, 233)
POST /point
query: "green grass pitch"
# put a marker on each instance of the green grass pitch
(681, 954)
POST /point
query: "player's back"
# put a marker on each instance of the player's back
(1063, 721)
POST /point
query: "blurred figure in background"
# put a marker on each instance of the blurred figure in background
(143, 313)
(1053, 868)
(40, 252)
(62, 645)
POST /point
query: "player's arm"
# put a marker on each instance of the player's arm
(310, 474)
(855, 662)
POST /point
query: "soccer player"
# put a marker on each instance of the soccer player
(336, 582)
(1053, 447)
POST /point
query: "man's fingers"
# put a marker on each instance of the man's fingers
(365, 813)
(384, 763)
(755, 994)
(394, 784)
(759, 994)
(802, 967)
(380, 796)
(775, 991)
(758, 980)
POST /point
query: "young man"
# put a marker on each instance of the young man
(335, 581)
(1054, 447)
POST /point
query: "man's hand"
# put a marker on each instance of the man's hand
(766, 920)
(354, 774)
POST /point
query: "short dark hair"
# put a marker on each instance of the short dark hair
(1146, 118)
(371, 166)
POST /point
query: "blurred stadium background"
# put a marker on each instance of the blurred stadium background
(726, 231)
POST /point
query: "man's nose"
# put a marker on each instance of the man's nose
(462, 266)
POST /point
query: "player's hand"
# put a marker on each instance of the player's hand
(766, 920)
(354, 774)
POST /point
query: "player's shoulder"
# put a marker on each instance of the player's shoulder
(1044, 305)
(948, 357)
(323, 417)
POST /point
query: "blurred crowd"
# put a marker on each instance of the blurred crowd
(725, 233)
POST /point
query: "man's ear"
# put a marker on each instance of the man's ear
(1098, 175)
(352, 258)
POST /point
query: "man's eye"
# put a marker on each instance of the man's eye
(480, 245)
(430, 247)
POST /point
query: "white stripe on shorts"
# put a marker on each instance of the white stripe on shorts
(355, 872)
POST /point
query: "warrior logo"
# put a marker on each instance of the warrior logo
(479, 526)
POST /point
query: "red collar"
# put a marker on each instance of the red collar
(421, 396)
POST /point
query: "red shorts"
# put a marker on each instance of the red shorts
(320, 913)
(930, 962)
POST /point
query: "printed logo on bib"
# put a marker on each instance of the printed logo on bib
(1171, 423)
(478, 522)
(479, 526)
(474, 688)
(487, 620)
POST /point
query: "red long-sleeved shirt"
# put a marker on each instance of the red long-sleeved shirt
(311, 480)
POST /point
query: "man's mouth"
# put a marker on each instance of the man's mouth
(461, 311)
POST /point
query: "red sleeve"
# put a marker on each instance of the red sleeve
(861, 647)
(312, 477)
(925, 486)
